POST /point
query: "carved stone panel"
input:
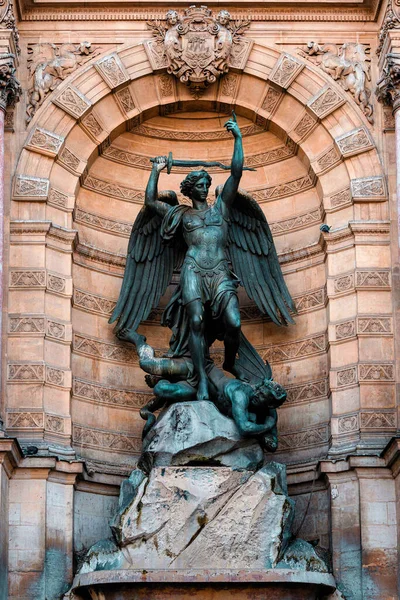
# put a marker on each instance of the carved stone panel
(378, 419)
(372, 279)
(376, 373)
(27, 187)
(112, 70)
(369, 188)
(348, 423)
(44, 142)
(92, 126)
(124, 100)
(285, 70)
(354, 142)
(271, 100)
(325, 102)
(73, 102)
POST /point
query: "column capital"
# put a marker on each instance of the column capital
(10, 88)
(388, 86)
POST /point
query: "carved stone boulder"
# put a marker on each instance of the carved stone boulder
(197, 433)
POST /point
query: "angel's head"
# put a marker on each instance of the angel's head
(269, 394)
(172, 17)
(223, 17)
(196, 185)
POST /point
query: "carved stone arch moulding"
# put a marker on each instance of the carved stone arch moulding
(117, 91)
(91, 105)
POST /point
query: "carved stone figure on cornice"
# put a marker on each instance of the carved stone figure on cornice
(196, 47)
(391, 21)
(10, 88)
(388, 87)
(7, 21)
(349, 65)
(49, 64)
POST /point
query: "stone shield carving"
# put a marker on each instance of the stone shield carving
(195, 47)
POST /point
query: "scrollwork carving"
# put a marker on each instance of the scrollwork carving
(10, 88)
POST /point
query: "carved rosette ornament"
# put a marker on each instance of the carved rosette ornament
(197, 47)
(10, 88)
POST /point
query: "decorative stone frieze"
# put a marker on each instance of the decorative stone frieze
(297, 222)
(339, 200)
(44, 142)
(27, 278)
(376, 373)
(71, 162)
(326, 101)
(203, 136)
(92, 125)
(312, 300)
(96, 393)
(59, 199)
(315, 436)
(282, 190)
(102, 223)
(348, 423)
(32, 325)
(93, 302)
(378, 419)
(304, 126)
(374, 325)
(372, 189)
(272, 99)
(109, 188)
(354, 142)
(26, 372)
(345, 330)
(73, 102)
(125, 101)
(346, 377)
(32, 419)
(327, 160)
(30, 188)
(56, 283)
(54, 423)
(296, 350)
(96, 348)
(86, 437)
(372, 279)
(58, 377)
(307, 392)
(344, 283)
(350, 65)
(112, 70)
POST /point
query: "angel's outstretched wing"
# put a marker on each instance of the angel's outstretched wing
(254, 259)
(150, 263)
(250, 362)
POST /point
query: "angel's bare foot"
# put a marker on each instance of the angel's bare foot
(128, 335)
(202, 392)
(236, 371)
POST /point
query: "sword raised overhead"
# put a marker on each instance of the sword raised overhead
(171, 162)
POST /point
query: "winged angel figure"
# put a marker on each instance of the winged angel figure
(216, 247)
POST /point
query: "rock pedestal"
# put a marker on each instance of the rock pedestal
(190, 522)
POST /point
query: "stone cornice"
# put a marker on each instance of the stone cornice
(286, 10)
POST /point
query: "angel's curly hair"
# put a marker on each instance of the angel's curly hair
(191, 179)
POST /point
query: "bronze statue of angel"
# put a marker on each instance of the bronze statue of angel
(217, 247)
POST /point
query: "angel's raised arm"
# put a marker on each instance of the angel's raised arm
(231, 186)
(151, 195)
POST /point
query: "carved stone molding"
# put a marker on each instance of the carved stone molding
(327, 160)
(369, 188)
(83, 436)
(345, 330)
(317, 344)
(307, 392)
(27, 278)
(272, 99)
(59, 199)
(73, 102)
(297, 222)
(339, 200)
(354, 142)
(346, 377)
(325, 102)
(312, 300)
(32, 325)
(94, 392)
(44, 142)
(112, 70)
(29, 188)
(48, 65)
(261, 159)
(121, 228)
(54, 423)
(10, 88)
(314, 436)
(304, 126)
(348, 424)
(58, 377)
(93, 303)
(376, 373)
(125, 101)
(372, 279)
(57, 284)
(92, 125)
(374, 325)
(344, 283)
(349, 64)
(169, 134)
(109, 188)
(27, 419)
(285, 70)
(26, 372)
(96, 348)
(383, 419)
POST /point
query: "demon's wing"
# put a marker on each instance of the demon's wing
(150, 263)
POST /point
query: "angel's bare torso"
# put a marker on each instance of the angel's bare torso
(206, 233)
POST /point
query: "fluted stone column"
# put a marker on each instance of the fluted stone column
(10, 91)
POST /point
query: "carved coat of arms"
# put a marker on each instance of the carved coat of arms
(197, 47)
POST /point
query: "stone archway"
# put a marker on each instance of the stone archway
(341, 279)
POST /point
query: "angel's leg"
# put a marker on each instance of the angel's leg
(197, 345)
(232, 335)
